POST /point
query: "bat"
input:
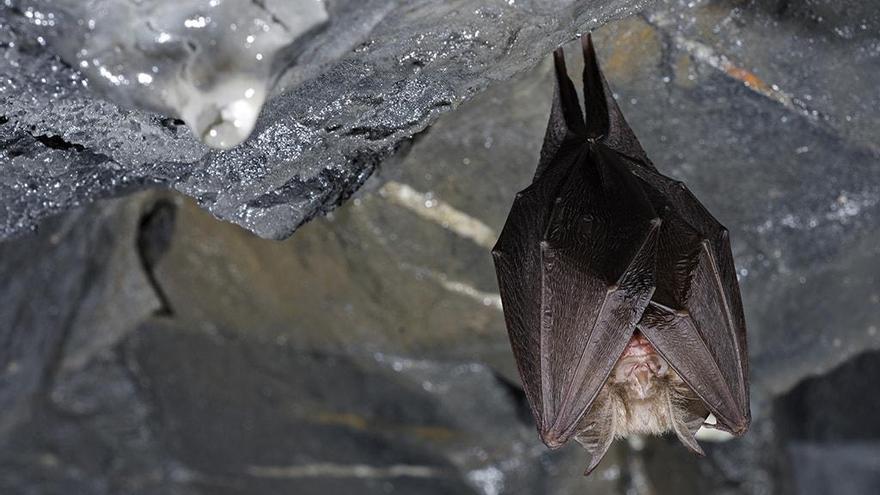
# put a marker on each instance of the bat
(619, 289)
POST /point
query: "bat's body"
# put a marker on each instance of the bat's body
(619, 289)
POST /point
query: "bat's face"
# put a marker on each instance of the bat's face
(644, 393)
(640, 369)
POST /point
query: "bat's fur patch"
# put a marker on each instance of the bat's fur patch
(644, 394)
(653, 414)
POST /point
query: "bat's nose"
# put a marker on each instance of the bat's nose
(640, 377)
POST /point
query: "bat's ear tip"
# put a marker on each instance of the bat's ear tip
(559, 53)
(589, 50)
(559, 62)
(587, 44)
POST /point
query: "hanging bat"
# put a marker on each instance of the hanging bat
(619, 289)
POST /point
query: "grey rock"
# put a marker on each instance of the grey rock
(822, 439)
(370, 424)
(211, 63)
(373, 338)
(94, 436)
(817, 468)
(316, 141)
(55, 317)
(816, 58)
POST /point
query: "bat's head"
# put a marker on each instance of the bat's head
(642, 396)
(640, 371)
(648, 396)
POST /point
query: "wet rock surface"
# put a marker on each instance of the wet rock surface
(209, 62)
(337, 113)
(156, 350)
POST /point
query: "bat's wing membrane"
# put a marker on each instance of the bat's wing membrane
(517, 253)
(598, 276)
(696, 318)
(518, 264)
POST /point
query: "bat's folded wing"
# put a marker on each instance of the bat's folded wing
(695, 319)
(585, 326)
(598, 261)
(575, 264)
(518, 264)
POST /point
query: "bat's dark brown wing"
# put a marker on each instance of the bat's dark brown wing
(598, 257)
(517, 253)
(575, 264)
(519, 266)
(695, 319)
(598, 243)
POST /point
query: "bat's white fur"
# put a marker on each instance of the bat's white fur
(651, 413)
(643, 396)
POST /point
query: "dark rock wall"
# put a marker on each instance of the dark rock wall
(148, 348)
(330, 125)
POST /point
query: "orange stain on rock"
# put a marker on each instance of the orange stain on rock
(748, 78)
(634, 46)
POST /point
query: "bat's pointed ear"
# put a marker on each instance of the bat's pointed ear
(603, 117)
(595, 101)
(596, 433)
(566, 117)
(565, 100)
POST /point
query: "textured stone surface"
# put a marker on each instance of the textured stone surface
(251, 366)
(824, 441)
(368, 353)
(54, 317)
(316, 141)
